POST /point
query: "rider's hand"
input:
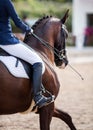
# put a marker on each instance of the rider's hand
(30, 31)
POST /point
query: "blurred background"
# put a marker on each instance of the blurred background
(79, 23)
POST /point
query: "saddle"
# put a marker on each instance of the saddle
(16, 66)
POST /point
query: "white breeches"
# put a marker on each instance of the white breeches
(24, 52)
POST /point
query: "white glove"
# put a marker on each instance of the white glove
(31, 30)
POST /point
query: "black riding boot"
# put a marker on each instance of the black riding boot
(39, 99)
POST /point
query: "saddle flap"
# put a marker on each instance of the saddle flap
(10, 63)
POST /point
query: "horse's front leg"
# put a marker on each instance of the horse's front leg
(46, 114)
(65, 117)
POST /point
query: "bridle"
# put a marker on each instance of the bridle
(60, 54)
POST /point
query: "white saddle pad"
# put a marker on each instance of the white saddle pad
(10, 63)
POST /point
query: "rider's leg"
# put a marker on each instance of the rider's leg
(37, 79)
(29, 55)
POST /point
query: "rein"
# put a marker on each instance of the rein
(59, 54)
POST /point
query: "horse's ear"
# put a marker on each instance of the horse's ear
(63, 20)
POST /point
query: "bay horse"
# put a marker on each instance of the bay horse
(16, 94)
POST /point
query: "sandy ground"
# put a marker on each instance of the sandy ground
(75, 97)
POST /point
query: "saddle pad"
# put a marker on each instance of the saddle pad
(10, 63)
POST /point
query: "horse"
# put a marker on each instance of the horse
(16, 94)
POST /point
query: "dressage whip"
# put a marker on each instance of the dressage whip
(76, 71)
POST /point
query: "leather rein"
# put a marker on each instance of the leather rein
(59, 54)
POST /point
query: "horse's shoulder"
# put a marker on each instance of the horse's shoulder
(49, 66)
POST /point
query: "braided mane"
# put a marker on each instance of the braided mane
(37, 23)
(40, 21)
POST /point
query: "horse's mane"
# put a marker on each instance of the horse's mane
(39, 21)
(36, 24)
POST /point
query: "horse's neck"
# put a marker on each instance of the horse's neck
(43, 50)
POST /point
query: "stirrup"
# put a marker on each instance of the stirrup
(44, 101)
(46, 91)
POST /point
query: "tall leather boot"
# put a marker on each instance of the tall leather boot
(39, 99)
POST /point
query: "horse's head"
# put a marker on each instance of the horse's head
(50, 34)
(60, 45)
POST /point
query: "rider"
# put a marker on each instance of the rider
(15, 47)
